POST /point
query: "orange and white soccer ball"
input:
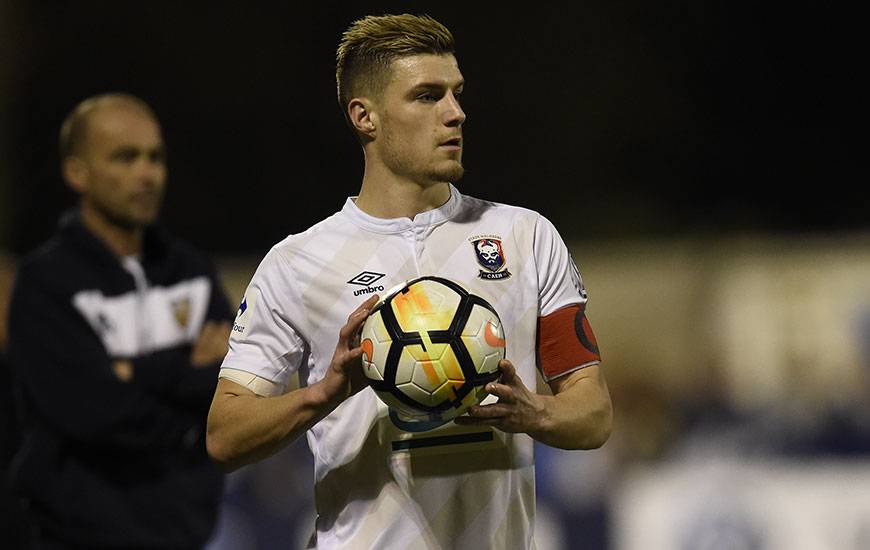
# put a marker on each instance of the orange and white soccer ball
(430, 347)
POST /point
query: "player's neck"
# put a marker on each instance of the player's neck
(388, 196)
(122, 241)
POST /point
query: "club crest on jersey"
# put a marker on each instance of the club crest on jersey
(490, 255)
(181, 311)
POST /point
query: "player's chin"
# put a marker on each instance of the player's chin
(451, 171)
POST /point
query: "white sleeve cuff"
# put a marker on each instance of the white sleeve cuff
(257, 384)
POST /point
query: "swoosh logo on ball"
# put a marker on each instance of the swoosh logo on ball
(368, 349)
(490, 334)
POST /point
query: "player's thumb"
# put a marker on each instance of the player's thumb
(508, 372)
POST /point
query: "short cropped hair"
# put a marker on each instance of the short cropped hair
(371, 44)
(74, 129)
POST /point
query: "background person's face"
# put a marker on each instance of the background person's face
(421, 120)
(124, 166)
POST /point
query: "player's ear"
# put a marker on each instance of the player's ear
(74, 172)
(362, 116)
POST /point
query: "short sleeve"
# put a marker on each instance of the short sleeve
(565, 339)
(266, 340)
(559, 280)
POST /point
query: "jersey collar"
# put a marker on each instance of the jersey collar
(430, 218)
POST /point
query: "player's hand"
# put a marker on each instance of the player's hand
(345, 376)
(518, 409)
(212, 344)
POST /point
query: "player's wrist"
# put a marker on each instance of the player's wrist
(326, 394)
(542, 423)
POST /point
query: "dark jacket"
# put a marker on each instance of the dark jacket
(104, 462)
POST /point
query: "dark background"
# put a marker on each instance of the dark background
(616, 119)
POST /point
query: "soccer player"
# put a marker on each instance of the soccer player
(116, 335)
(399, 86)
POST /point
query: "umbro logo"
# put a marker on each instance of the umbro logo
(367, 279)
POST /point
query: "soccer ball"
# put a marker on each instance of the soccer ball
(430, 347)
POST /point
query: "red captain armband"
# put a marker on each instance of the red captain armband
(565, 341)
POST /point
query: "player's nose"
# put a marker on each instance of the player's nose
(453, 114)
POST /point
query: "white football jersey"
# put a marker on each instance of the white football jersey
(379, 483)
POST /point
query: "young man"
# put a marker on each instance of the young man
(399, 86)
(116, 334)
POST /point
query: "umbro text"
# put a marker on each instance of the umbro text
(368, 290)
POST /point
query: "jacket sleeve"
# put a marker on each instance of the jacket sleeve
(67, 381)
(168, 373)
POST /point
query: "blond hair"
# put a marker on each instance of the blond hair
(371, 44)
(75, 126)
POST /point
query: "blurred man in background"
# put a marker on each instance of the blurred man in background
(116, 331)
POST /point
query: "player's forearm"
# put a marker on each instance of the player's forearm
(580, 416)
(244, 428)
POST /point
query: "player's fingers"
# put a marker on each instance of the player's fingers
(503, 392)
(494, 410)
(348, 338)
(354, 324)
(349, 358)
(356, 319)
(365, 306)
(475, 421)
(350, 361)
(353, 355)
(467, 420)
